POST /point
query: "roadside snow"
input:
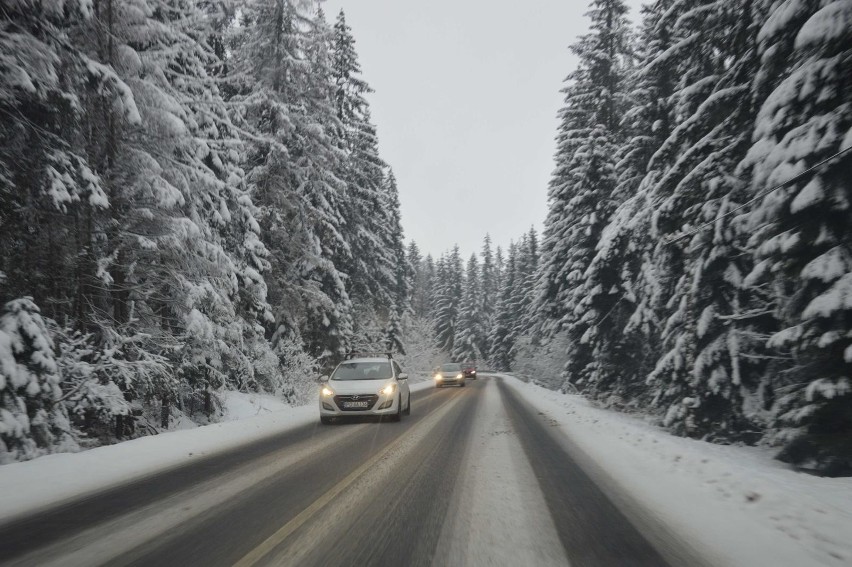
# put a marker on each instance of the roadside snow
(32, 485)
(734, 505)
(238, 405)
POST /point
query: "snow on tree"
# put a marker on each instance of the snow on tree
(470, 330)
(48, 182)
(33, 421)
(173, 189)
(394, 334)
(580, 195)
(802, 231)
(423, 272)
(489, 285)
(527, 267)
(368, 220)
(449, 275)
(623, 261)
(701, 378)
(187, 269)
(422, 354)
(502, 339)
(286, 93)
(403, 270)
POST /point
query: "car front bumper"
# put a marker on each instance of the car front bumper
(449, 381)
(335, 406)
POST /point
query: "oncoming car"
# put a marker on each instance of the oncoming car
(449, 374)
(365, 385)
(469, 370)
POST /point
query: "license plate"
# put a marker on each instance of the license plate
(356, 404)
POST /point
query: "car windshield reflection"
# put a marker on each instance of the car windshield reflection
(363, 371)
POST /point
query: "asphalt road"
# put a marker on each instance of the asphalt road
(473, 477)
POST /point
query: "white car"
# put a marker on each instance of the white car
(365, 385)
(448, 374)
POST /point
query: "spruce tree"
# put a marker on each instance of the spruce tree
(489, 285)
(372, 270)
(802, 231)
(580, 195)
(502, 331)
(32, 419)
(287, 97)
(448, 296)
(470, 330)
(706, 369)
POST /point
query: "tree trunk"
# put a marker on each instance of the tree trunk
(164, 412)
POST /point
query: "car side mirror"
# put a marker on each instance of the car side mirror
(323, 379)
(402, 376)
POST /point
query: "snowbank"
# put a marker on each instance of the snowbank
(734, 505)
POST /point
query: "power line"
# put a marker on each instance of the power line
(759, 195)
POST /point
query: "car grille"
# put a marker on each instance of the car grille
(371, 400)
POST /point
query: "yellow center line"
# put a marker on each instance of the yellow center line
(302, 517)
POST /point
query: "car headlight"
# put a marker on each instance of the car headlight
(459, 375)
(438, 377)
(388, 390)
(326, 392)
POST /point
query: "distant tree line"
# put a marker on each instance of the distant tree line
(191, 199)
(696, 260)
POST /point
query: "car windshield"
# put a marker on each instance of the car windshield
(450, 367)
(363, 371)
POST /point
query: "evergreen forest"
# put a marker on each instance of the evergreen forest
(192, 200)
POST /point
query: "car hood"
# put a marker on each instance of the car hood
(358, 386)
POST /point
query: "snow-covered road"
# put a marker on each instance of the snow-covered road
(498, 513)
(457, 483)
(498, 473)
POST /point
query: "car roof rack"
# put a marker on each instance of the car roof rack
(368, 354)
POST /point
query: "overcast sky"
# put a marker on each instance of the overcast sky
(465, 103)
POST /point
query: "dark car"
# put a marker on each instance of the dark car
(469, 370)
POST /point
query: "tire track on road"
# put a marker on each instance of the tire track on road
(592, 529)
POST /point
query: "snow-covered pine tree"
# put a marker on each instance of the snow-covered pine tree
(395, 246)
(211, 297)
(802, 231)
(49, 188)
(527, 266)
(228, 286)
(372, 269)
(150, 231)
(623, 257)
(401, 306)
(591, 183)
(429, 285)
(283, 70)
(394, 334)
(502, 337)
(448, 296)
(499, 270)
(489, 286)
(706, 372)
(33, 421)
(419, 291)
(130, 126)
(554, 284)
(470, 330)
(581, 190)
